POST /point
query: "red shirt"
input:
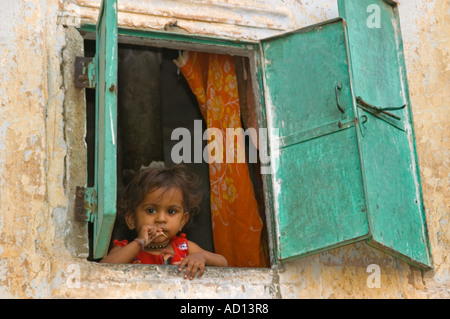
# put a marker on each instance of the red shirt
(180, 248)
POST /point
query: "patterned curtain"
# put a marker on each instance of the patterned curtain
(235, 216)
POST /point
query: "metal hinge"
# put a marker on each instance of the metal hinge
(85, 204)
(84, 72)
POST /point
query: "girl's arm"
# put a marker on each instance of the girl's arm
(212, 259)
(198, 258)
(122, 255)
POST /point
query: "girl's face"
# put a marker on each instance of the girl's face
(161, 208)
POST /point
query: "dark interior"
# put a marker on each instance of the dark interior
(153, 100)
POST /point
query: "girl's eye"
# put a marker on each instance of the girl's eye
(151, 210)
(171, 211)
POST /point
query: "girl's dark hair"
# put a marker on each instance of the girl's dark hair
(151, 179)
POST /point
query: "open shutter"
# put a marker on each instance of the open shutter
(388, 155)
(105, 180)
(318, 195)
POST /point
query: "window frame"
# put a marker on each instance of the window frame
(248, 49)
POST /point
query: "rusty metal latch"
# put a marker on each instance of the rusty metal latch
(84, 72)
(374, 109)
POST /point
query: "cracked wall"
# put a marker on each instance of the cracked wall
(43, 249)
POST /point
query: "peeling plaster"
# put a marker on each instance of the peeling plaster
(249, 20)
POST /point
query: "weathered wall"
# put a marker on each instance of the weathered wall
(32, 143)
(43, 250)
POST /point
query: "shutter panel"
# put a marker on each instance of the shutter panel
(318, 195)
(388, 155)
(105, 183)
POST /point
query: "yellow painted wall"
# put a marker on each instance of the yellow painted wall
(43, 250)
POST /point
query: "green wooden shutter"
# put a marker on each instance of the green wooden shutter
(388, 153)
(318, 194)
(345, 167)
(103, 194)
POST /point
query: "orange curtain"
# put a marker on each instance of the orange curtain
(235, 216)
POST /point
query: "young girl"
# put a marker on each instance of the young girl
(157, 204)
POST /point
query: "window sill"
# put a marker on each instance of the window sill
(168, 272)
(161, 281)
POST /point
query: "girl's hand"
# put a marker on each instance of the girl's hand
(197, 259)
(148, 233)
(193, 262)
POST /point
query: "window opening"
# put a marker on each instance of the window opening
(154, 98)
